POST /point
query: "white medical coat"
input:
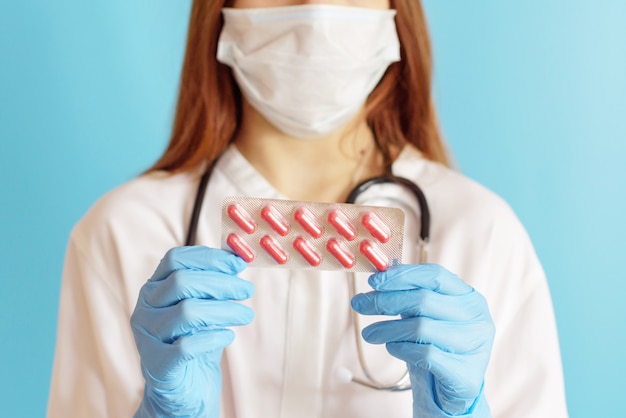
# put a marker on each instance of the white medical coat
(285, 363)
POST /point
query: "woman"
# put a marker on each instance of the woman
(301, 100)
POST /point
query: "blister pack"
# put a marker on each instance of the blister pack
(312, 235)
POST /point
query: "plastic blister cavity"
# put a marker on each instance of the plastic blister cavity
(312, 235)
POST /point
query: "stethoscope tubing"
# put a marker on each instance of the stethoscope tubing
(192, 229)
(415, 190)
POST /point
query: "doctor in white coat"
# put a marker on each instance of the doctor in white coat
(301, 100)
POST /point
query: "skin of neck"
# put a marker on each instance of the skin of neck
(323, 169)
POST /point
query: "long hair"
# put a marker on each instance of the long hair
(400, 109)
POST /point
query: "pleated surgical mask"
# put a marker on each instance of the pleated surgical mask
(308, 69)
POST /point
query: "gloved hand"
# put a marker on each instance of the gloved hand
(179, 327)
(445, 334)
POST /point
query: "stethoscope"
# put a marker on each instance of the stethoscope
(403, 382)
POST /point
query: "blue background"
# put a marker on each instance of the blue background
(531, 95)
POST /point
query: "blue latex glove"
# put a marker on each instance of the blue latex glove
(445, 334)
(179, 327)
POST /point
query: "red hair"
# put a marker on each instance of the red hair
(400, 109)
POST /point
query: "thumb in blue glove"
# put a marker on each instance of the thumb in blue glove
(179, 325)
(444, 333)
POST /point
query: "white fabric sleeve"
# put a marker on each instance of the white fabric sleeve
(96, 369)
(525, 377)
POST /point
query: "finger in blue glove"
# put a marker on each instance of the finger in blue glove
(179, 327)
(444, 329)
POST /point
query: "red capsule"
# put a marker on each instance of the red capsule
(342, 224)
(274, 219)
(307, 220)
(274, 249)
(376, 227)
(307, 251)
(374, 254)
(341, 253)
(242, 218)
(240, 247)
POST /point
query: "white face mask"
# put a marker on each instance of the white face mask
(308, 69)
